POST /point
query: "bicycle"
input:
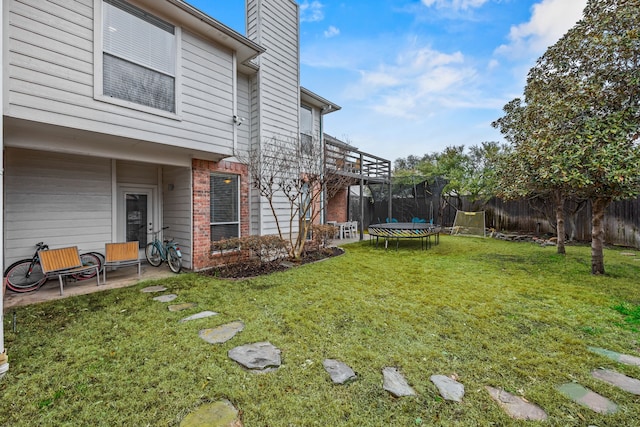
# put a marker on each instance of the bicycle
(26, 275)
(156, 252)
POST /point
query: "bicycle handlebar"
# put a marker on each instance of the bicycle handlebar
(163, 228)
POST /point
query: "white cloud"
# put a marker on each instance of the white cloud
(419, 83)
(331, 32)
(454, 4)
(550, 19)
(311, 11)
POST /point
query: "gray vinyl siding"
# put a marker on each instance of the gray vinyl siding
(50, 78)
(244, 111)
(136, 173)
(274, 25)
(60, 199)
(177, 213)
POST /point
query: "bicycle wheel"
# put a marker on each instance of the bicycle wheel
(174, 260)
(100, 257)
(154, 257)
(88, 259)
(21, 277)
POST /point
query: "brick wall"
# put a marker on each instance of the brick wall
(337, 207)
(202, 169)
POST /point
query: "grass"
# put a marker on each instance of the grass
(509, 315)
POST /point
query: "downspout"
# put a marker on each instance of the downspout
(390, 211)
(236, 120)
(4, 362)
(361, 199)
(323, 196)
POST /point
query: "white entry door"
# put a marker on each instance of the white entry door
(138, 218)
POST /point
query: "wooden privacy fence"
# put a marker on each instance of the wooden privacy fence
(621, 223)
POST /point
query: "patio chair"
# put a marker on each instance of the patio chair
(65, 262)
(346, 229)
(353, 228)
(121, 255)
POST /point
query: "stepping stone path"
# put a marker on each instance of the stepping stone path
(263, 357)
(216, 414)
(166, 298)
(516, 407)
(449, 388)
(183, 306)
(618, 357)
(628, 384)
(221, 334)
(394, 383)
(588, 398)
(151, 289)
(201, 315)
(339, 372)
(258, 357)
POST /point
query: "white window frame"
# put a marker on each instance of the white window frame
(98, 68)
(306, 132)
(238, 207)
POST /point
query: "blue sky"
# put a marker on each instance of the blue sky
(414, 76)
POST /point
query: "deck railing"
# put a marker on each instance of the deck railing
(348, 161)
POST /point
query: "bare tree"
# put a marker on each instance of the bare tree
(292, 171)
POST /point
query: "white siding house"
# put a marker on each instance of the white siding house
(121, 117)
(124, 116)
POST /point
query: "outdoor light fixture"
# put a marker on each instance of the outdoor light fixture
(238, 120)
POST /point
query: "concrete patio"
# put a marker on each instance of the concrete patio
(118, 278)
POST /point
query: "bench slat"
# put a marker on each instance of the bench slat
(64, 262)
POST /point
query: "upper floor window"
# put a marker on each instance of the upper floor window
(138, 56)
(306, 129)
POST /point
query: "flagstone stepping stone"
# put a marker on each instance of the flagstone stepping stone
(222, 333)
(618, 357)
(627, 253)
(166, 298)
(516, 407)
(216, 414)
(339, 372)
(394, 382)
(183, 306)
(150, 289)
(588, 398)
(449, 388)
(617, 379)
(201, 315)
(257, 357)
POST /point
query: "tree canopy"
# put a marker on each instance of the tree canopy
(467, 172)
(576, 130)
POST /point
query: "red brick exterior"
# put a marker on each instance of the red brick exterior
(202, 169)
(337, 207)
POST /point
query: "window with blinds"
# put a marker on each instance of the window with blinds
(139, 56)
(306, 129)
(225, 206)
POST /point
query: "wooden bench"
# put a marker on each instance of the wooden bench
(65, 262)
(120, 255)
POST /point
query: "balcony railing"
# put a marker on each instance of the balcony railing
(346, 160)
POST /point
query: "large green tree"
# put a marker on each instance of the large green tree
(576, 132)
(468, 172)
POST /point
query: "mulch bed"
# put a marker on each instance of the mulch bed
(256, 268)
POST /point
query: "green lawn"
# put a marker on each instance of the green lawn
(510, 315)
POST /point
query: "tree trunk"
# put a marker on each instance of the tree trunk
(598, 207)
(559, 201)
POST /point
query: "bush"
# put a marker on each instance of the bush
(322, 235)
